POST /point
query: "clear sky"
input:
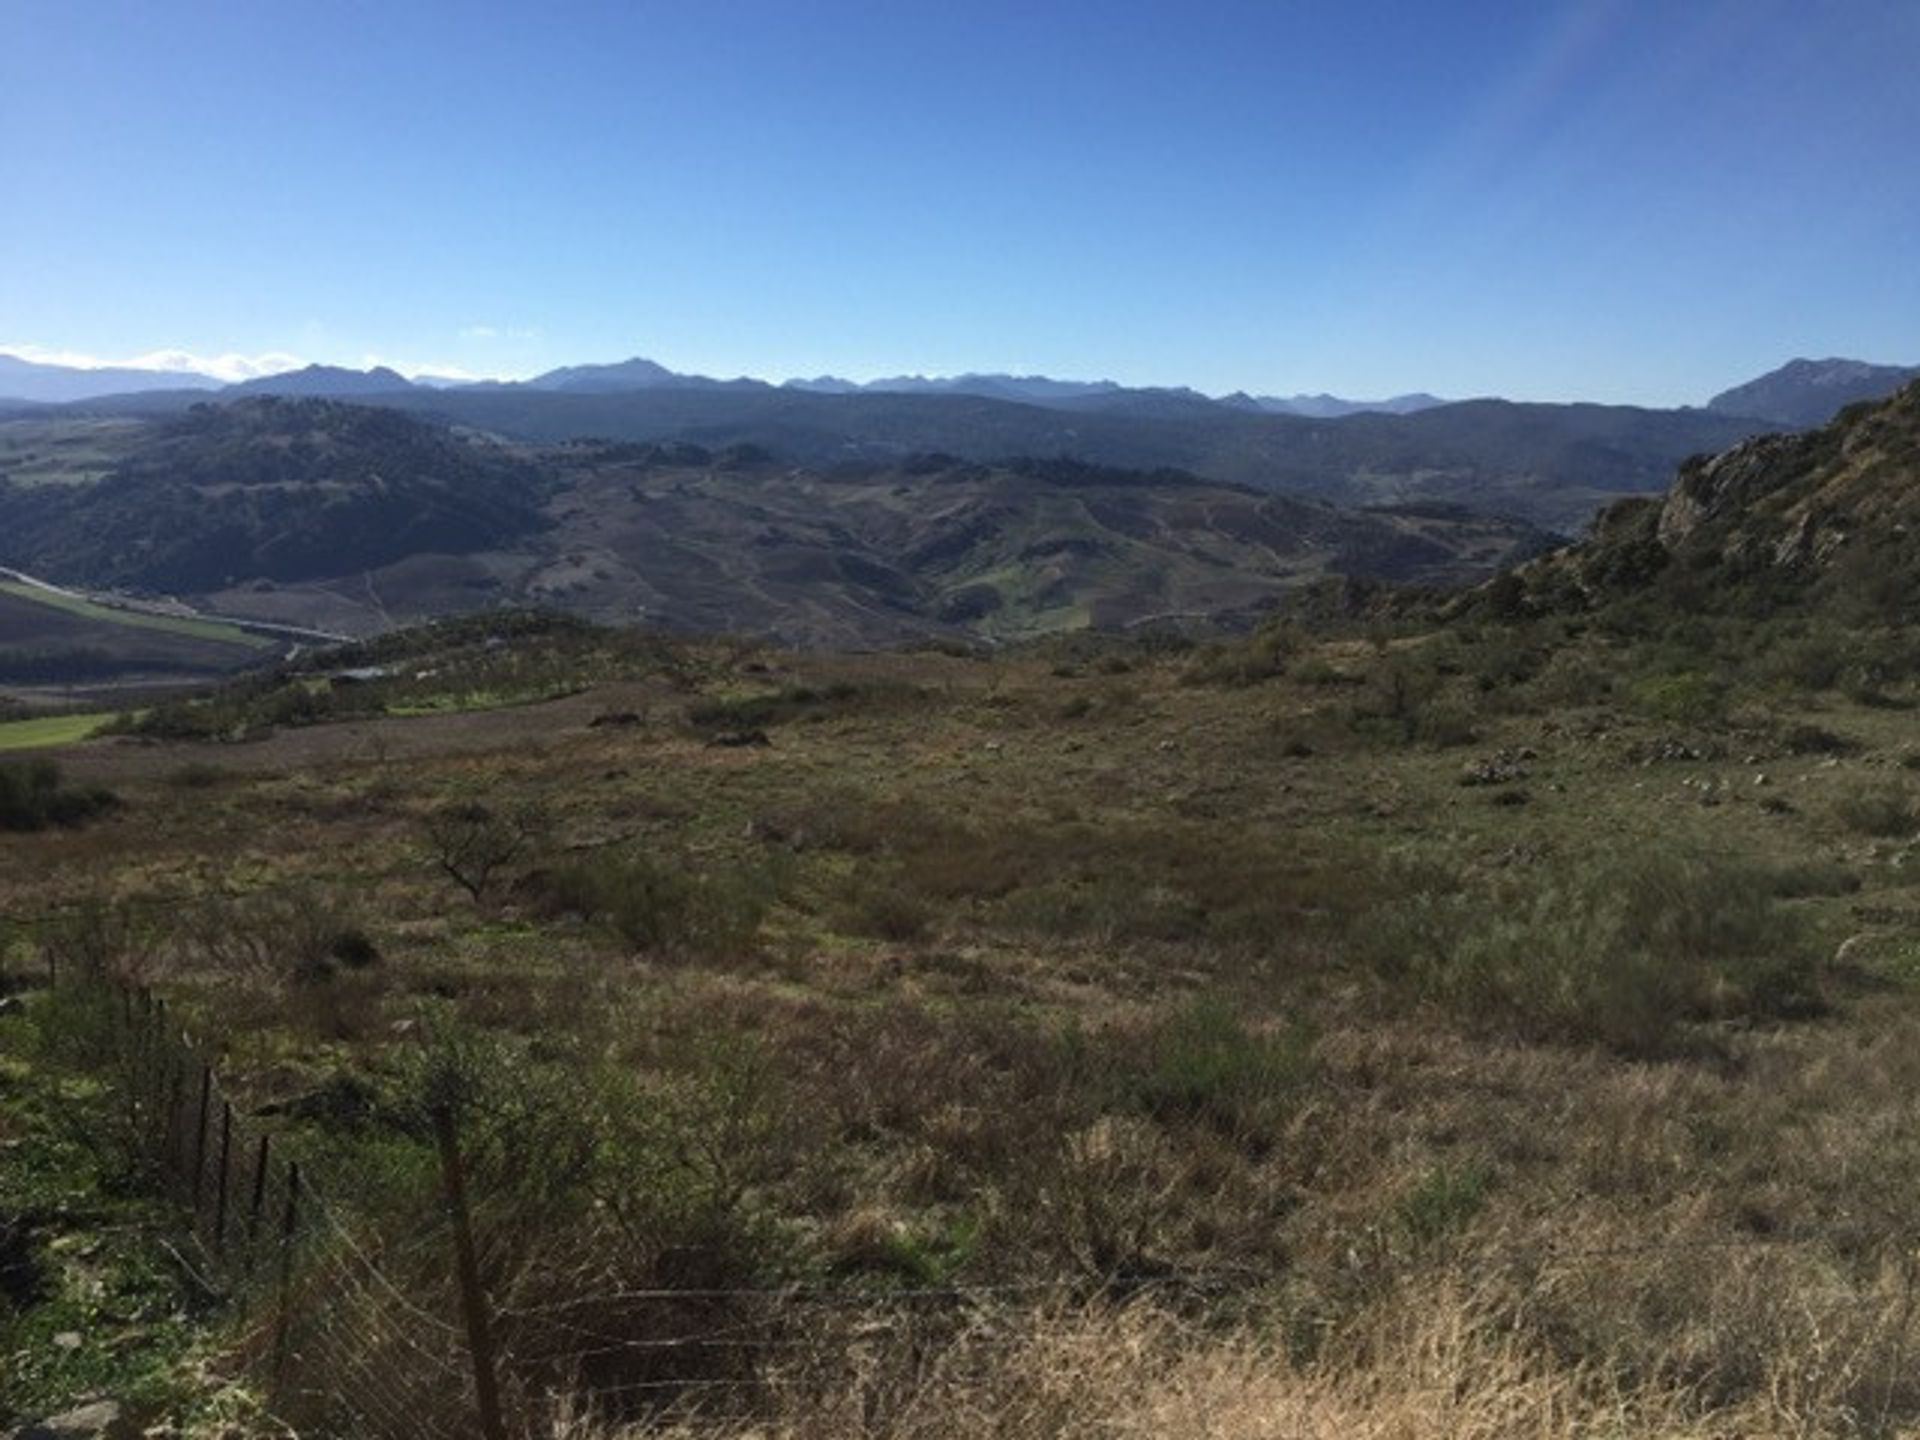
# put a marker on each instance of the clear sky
(1640, 202)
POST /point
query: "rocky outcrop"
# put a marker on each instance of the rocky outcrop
(1711, 487)
(1826, 518)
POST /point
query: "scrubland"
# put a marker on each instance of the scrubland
(1375, 1029)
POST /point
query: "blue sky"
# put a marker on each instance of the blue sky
(1617, 201)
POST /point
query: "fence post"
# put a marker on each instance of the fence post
(289, 1223)
(220, 1195)
(200, 1138)
(473, 1300)
(258, 1202)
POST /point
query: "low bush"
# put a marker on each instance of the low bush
(1205, 1063)
(1806, 878)
(663, 907)
(1887, 812)
(877, 905)
(1263, 655)
(1691, 698)
(1810, 739)
(35, 796)
(1620, 952)
(1444, 1200)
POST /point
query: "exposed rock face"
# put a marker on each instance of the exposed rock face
(1712, 486)
(1824, 520)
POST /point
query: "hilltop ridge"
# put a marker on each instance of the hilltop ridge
(1826, 520)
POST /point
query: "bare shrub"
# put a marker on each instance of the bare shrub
(471, 842)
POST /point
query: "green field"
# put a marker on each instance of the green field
(52, 730)
(198, 629)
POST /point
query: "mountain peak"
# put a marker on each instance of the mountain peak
(332, 380)
(1803, 392)
(633, 373)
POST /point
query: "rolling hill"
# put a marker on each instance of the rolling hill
(1551, 465)
(272, 489)
(355, 517)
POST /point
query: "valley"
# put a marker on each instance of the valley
(1503, 992)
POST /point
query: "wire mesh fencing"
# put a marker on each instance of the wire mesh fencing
(372, 1297)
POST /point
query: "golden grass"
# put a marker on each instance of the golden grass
(1442, 1365)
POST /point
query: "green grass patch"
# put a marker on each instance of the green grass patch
(214, 630)
(47, 730)
(94, 1303)
(466, 701)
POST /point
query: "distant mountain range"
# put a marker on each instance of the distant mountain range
(1549, 465)
(328, 381)
(1804, 393)
(59, 384)
(62, 384)
(1799, 394)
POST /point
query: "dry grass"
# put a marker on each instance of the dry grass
(1113, 1002)
(1444, 1363)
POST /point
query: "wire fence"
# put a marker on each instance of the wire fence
(360, 1293)
(263, 1234)
(362, 1310)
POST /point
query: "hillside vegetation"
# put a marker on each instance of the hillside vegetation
(1494, 1017)
(273, 489)
(316, 513)
(1816, 526)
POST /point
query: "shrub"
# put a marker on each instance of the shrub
(1691, 698)
(1619, 952)
(881, 907)
(1264, 655)
(297, 935)
(471, 842)
(1575, 677)
(665, 908)
(1805, 878)
(800, 702)
(197, 776)
(1808, 739)
(1888, 813)
(1444, 1200)
(34, 796)
(1205, 1063)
